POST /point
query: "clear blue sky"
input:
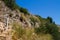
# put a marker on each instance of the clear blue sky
(43, 8)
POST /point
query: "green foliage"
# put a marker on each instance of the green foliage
(23, 10)
(42, 20)
(53, 30)
(59, 36)
(10, 3)
(38, 17)
(50, 19)
(49, 27)
(41, 29)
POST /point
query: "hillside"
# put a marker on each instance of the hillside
(59, 27)
(16, 23)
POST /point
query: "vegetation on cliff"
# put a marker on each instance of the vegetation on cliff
(47, 30)
(12, 5)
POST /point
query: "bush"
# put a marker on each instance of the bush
(11, 4)
(41, 29)
(50, 19)
(59, 36)
(53, 30)
(48, 28)
(23, 10)
(39, 17)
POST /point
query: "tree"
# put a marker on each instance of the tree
(50, 19)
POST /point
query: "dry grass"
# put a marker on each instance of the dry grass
(29, 34)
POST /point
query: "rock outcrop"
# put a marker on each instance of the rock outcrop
(7, 17)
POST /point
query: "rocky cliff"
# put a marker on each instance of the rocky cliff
(8, 16)
(16, 23)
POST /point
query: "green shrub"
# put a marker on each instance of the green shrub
(59, 36)
(39, 17)
(42, 20)
(53, 30)
(11, 4)
(23, 10)
(41, 29)
(49, 27)
(50, 19)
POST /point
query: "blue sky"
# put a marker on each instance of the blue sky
(43, 8)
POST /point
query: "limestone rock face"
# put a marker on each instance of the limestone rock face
(5, 32)
(8, 16)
